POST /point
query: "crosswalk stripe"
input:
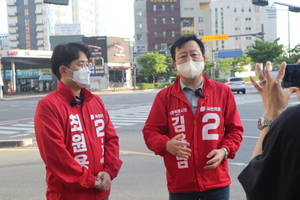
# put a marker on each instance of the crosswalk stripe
(8, 132)
(16, 128)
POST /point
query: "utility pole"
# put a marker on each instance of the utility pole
(1, 82)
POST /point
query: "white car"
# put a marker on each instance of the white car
(236, 84)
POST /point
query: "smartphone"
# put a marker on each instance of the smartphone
(292, 76)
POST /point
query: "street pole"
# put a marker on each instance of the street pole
(289, 40)
(1, 81)
(134, 76)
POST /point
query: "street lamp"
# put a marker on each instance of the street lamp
(1, 81)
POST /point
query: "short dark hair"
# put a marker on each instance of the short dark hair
(65, 53)
(188, 37)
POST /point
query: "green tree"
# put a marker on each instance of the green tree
(239, 63)
(225, 65)
(294, 54)
(208, 68)
(153, 64)
(263, 51)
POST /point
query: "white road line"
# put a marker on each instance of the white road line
(16, 128)
(8, 132)
(22, 125)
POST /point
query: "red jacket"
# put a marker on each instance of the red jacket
(75, 143)
(216, 124)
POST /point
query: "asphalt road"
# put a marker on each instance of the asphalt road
(142, 176)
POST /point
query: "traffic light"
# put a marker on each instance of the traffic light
(58, 2)
(260, 2)
(294, 8)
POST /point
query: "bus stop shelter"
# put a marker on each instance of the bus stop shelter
(16, 60)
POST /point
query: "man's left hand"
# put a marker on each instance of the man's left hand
(106, 180)
(216, 155)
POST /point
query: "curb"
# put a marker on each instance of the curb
(15, 143)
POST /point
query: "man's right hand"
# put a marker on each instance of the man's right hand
(178, 146)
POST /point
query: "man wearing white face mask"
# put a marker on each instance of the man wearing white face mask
(194, 124)
(74, 133)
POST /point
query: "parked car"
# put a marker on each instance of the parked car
(236, 84)
(161, 80)
(172, 79)
(25, 86)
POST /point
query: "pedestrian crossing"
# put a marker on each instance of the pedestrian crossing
(121, 117)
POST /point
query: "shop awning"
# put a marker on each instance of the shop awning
(45, 78)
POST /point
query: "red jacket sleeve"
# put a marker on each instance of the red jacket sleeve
(156, 128)
(233, 127)
(50, 140)
(111, 156)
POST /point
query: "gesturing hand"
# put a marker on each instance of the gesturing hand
(274, 98)
(216, 155)
(178, 146)
(103, 181)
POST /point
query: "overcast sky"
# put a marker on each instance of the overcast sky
(120, 20)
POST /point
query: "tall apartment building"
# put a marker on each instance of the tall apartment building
(3, 41)
(158, 23)
(31, 22)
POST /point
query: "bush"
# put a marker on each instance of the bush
(222, 80)
(145, 86)
(247, 79)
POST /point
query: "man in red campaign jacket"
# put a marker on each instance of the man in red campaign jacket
(194, 124)
(76, 138)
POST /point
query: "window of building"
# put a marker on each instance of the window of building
(27, 36)
(163, 20)
(201, 32)
(26, 12)
(27, 29)
(173, 33)
(138, 12)
(237, 28)
(248, 28)
(248, 47)
(155, 21)
(25, 2)
(200, 19)
(139, 24)
(242, 9)
(155, 46)
(172, 20)
(163, 7)
(139, 37)
(27, 22)
(28, 44)
(154, 7)
(155, 34)
(164, 46)
(248, 38)
(172, 7)
(248, 18)
(234, 9)
(237, 19)
(249, 9)
(164, 34)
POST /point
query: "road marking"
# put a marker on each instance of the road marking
(8, 132)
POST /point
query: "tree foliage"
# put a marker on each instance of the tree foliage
(225, 65)
(153, 64)
(263, 51)
(238, 63)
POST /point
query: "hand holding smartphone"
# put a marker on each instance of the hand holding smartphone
(292, 76)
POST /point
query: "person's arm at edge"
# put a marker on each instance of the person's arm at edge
(270, 90)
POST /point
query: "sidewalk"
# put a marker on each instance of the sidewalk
(31, 94)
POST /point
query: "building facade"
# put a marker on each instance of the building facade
(167, 20)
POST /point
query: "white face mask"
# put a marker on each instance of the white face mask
(190, 69)
(81, 77)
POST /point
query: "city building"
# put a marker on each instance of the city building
(4, 41)
(32, 24)
(158, 23)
